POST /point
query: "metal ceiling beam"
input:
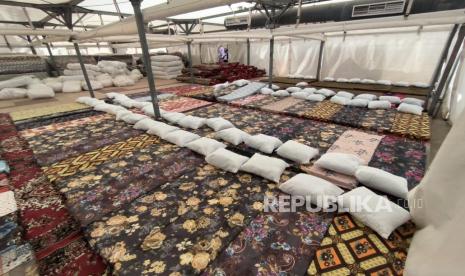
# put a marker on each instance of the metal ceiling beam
(41, 25)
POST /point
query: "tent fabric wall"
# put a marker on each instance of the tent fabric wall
(290, 57)
(395, 55)
(437, 206)
(304, 58)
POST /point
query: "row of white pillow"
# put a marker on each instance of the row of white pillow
(383, 221)
(383, 82)
(407, 105)
(237, 83)
(268, 167)
(297, 152)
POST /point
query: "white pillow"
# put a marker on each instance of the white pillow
(144, 124)
(234, 136)
(12, 93)
(309, 90)
(368, 81)
(160, 129)
(205, 146)
(226, 160)
(300, 95)
(89, 101)
(114, 109)
(313, 187)
(275, 87)
(266, 91)
(104, 107)
(112, 95)
(148, 110)
(316, 97)
(358, 102)
(391, 99)
(382, 181)
(141, 105)
(410, 108)
(120, 114)
(293, 89)
(172, 117)
(414, 101)
(302, 84)
(180, 137)
(96, 85)
(382, 221)
(384, 82)
(39, 91)
(192, 122)
(345, 94)
(280, 93)
(420, 84)
(379, 105)
(219, 87)
(297, 152)
(369, 97)
(326, 92)
(402, 83)
(340, 162)
(328, 79)
(267, 167)
(339, 100)
(263, 143)
(219, 123)
(105, 80)
(57, 86)
(72, 86)
(241, 82)
(342, 80)
(355, 80)
(133, 118)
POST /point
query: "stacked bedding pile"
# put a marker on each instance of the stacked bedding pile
(24, 86)
(166, 66)
(210, 74)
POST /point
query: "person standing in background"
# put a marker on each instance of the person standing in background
(223, 55)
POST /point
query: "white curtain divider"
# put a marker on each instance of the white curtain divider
(396, 56)
(304, 57)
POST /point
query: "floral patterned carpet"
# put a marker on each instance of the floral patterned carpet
(96, 196)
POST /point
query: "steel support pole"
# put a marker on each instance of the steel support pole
(442, 60)
(145, 54)
(84, 70)
(437, 97)
(52, 58)
(189, 54)
(270, 67)
(320, 61)
(30, 45)
(248, 51)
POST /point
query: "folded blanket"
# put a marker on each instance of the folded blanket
(354, 142)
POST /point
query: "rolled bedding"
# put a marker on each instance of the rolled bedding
(165, 58)
(175, 63)
(68, 72)
(16, 82)
(77, 66)
(176, 69)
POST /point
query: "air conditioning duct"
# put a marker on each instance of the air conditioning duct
(328, 11)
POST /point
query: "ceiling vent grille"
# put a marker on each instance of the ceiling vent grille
(380, 8)
(236, 21)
